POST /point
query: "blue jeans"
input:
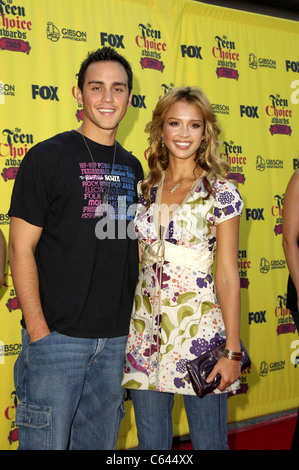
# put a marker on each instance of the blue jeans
(207, 418)
(69, 391)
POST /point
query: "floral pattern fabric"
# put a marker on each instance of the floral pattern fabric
(176, 316)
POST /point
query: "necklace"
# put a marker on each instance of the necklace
(105, 192)
(172, 190)
(176, 186)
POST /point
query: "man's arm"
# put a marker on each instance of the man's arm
(23, 239)
(2, 259)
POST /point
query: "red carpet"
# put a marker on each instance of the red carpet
(274, 434)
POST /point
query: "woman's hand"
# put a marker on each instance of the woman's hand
(229, 370)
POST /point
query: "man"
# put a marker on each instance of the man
(75, 283)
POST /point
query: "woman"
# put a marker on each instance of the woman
(290, 242)
(185, 206)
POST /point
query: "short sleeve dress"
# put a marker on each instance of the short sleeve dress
(176, 316)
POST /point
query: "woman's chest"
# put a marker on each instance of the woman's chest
(189, 223)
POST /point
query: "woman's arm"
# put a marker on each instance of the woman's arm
(290, 233)
(227, 282)
(22, 243)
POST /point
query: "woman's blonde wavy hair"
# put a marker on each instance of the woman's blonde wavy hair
(157, 153)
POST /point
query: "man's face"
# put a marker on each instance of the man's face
(105, 98)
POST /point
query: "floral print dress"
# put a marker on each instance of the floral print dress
(176, 316)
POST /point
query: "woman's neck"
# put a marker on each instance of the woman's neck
(179, 172)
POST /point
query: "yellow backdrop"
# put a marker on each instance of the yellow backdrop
(248, 66)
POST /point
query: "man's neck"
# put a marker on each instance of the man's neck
(101, 136)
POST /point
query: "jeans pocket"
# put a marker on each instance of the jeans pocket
(42, 340)
(35, 426)
(34, 416)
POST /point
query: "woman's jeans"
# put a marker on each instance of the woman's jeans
(207, 418)
(69, 391)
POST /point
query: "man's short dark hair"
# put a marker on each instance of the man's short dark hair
(105, 54)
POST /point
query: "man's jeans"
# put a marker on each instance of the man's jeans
(69, 391)
(207, 418)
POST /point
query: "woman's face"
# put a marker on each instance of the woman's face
(183, 130)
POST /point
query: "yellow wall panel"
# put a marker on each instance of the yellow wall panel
(248, 66)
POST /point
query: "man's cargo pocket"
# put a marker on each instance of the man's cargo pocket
(35, 426)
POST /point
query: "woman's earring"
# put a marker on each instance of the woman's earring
(162, 141)
(202, 146)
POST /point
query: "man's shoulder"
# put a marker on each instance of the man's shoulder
(129, 157)
(61, 139)
(52, 149)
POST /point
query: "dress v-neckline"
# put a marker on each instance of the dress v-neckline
(157, 212)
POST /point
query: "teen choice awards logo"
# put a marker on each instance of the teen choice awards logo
(14, 28)
(280, 113)
(233, 154)
(285, 322)
(277, 211)
(227, 57)
(152, 46)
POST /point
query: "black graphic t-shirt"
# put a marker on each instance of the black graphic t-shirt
(87, 255)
